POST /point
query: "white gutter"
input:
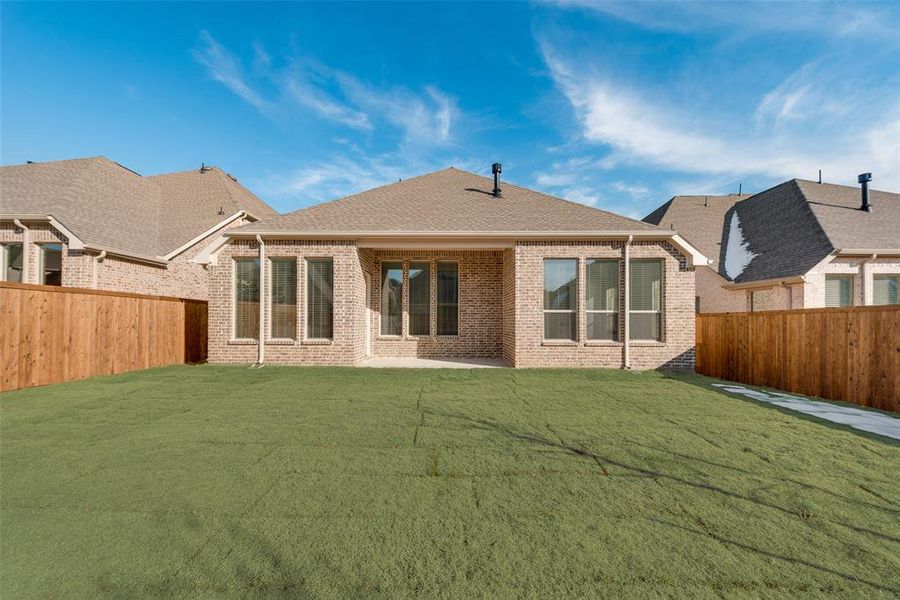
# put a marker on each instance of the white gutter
(97, 259)
(26, 249)
(203, 235)
(764, 283)
(868, 252)
(261, 354)
(626, 349)
(141, 258)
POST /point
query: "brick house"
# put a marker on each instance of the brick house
(800, 244)
(443, 266)
(92, 223)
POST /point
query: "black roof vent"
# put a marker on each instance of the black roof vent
(864, 180)
(496, 169)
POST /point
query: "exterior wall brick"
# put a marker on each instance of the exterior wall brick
(180, 277)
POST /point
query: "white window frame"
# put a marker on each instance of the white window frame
(404, 275)
(42, 250)
(437, 263)
(662, 297)
(234, 263)
(305, 289)
(849, 276)
(587, 280)
(271, 295)
(432, 293)
(574, 309)
(882, 276)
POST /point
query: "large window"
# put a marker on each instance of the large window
(448, 298)
(391, 298)
(319, 298)
(838, 290)
(560, 285)
(283, 282)
(51, 264)
(11, 262)
(885, 289)
(246, 298)
(419, 298)
(602, 299)
(645, 310)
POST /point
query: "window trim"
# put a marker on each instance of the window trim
(432, 306)
(886, 276)
(576, 309)
(234, 338)
(403, 292)
(305, 339)
(662, 305)
(42, 251)
(840, 276)
(617, 312)
(437, 264)
(271, 296)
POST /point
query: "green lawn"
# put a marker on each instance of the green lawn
(208, 481)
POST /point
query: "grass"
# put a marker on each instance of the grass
(196, 482)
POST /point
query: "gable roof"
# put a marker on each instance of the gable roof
(109, 206)
(789, 228)
(450, 201)
(699, 219)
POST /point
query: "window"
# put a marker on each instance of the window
(419, 298)
(838, 290)
(283, 293)
(646, 300)
(51, 264)
(319, 298)
(391, 298)
(885, 289)
(560, 281)
(11, 262)
(246, 298)
(602, 299)
(447, 298)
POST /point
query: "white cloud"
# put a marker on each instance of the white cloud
(635, 191)
(639, 131)
(296, 86)
(225, 68)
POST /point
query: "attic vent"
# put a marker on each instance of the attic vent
(496, 169)
(204, 168)
(232, 177)
(864, 180)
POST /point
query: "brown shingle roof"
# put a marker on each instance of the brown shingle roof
(447, 201)
(109, 206)
(699, 219)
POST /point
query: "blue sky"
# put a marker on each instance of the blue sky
(615, 105)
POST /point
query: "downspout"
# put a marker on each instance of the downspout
(97, 259)
(626, 350)
(864, 275)
(262, 304)
(26, 249)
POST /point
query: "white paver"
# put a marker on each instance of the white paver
(858, 418)
(429, 363)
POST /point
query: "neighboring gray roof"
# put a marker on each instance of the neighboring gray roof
(109, 206)
(698, 219)
(789, 228)
(447, 201)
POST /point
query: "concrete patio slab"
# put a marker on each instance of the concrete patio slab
(431, 363)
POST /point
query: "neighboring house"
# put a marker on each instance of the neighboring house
(438, 266)
(93, 223)
(800, 244)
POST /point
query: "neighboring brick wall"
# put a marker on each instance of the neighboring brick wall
(346, 348)
(677, 346)
(480, 306)
(713, 297)
(180, 278)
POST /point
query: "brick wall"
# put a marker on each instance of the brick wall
(676, 348)
(180, 277)
(347, 345)
(480, 306)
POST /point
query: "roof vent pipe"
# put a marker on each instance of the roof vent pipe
(496, 169)
(864, 179)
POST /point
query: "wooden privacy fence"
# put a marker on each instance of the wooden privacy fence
(52, 334)
(850, 354)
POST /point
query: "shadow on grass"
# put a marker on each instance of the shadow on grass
(525, 436)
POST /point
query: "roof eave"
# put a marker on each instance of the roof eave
(764, 282)
(868, 251)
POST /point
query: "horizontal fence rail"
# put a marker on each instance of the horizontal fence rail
(52, 334)
(850, 354)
